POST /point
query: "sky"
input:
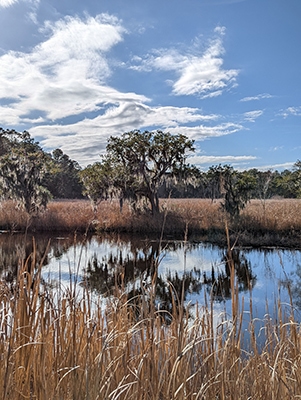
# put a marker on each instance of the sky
(225, 73)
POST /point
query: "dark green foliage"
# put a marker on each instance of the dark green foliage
(62, 179)
(138, 167)
(31, 176)
(22, 168)
(97, 181)
(235, 188)
(145, 161)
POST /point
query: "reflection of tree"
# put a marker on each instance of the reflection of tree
(131, 266)
(139, 264)
(17, 249)
(219, 283)
(173, 289)
(135, 273)
(294, 286)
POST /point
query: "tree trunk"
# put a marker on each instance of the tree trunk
(121, 204)
(154, 200)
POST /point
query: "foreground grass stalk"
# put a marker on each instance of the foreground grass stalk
(55, 345)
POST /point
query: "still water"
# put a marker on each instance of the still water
(195, 269)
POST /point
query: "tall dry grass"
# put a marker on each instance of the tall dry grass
(273, 222)
(59, 346)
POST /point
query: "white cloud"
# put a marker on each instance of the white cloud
(220, 30)
(66, 74)
(90, 135)
(274, 167)
(214, 160)
(276, 148)
(197, 74)
(251, 116)
(7, 3)
(295, 111)
(258, 97)
(59, 90)
(202, 132)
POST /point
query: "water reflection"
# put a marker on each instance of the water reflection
(18, 249)
(137, 270)
(179, 271)
(219, 284)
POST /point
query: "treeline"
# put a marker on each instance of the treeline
(32, 176)
(262, 184)
(136, 165)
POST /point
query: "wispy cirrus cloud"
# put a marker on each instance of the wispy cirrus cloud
(258, 97)
(203, 132)
(290, 111)
(7, 3)
(274, 167)
(197, 73)
(214, 160)
(251, 116)
(276, 148)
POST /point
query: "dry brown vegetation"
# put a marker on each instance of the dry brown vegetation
(55, 345)
(273, 222)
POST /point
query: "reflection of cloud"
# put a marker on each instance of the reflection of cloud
(258, 97)
(198, 74)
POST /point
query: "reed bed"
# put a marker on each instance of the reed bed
(270, 222)
(57, 345)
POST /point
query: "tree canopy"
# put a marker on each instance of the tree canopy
(62, 178)
(22, 169)
(137, 166)
(138, 163)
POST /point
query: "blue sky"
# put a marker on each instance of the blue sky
(226, 73)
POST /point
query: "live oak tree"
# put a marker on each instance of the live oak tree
(150, 159)
(136, 164)
(234, 187)
(22, 168)
(97, 181)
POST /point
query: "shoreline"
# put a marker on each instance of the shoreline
(274, 224)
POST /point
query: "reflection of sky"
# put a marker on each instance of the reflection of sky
(201, 257)
(271, 269)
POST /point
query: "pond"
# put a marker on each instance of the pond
(193, 269)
